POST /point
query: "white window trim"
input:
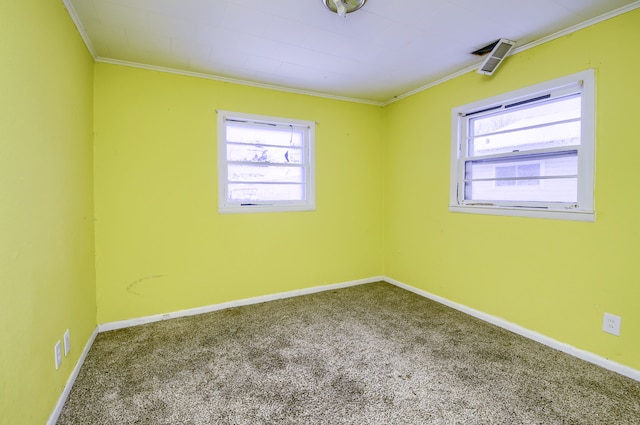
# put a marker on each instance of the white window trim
(227, 207)
(584, 211)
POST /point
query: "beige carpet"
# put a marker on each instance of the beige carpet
(370, 354)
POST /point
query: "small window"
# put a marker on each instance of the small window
(265, 164)
(527, 153)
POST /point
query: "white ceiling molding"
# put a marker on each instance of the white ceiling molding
(85, 37)
(572, 29)
(517, 50)
(233, 80)
(76, 20)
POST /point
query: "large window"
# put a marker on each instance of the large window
(527, 153)
(265, 163)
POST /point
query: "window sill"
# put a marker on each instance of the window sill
(574, 215)
(265, 208)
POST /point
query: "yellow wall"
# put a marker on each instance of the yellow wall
(47, 276)
(382, 195)
(554, 277)
(161, 244)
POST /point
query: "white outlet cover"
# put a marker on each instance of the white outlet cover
(611, 324)
(57, 352)
(67, 342)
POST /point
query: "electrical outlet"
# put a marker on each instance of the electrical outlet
(57, 351)
(67, 342)
(611, 324)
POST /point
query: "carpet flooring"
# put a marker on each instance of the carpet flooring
(368, 354)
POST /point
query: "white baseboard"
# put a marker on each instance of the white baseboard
(527, 333)
(72, 378)
(247, 301)
(538, 337)
(190, 312)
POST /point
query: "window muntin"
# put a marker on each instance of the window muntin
(265, 163)
(529, 152)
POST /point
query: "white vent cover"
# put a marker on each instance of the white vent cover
(497, 55)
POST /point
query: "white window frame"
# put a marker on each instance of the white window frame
(583, 209)
(227, 206)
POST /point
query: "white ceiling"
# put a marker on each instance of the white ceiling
(385, 49)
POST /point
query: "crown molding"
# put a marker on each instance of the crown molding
(233, 80)
(78, 23)
(559, 34)
(516, 50)
(578, 27)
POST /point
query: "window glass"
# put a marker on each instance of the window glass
(531, 150)
(554, 123)
(266, 164)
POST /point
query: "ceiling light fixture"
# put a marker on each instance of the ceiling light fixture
(342, 7)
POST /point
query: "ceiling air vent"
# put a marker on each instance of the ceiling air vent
(497, 55)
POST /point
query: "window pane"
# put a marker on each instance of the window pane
(513, 171)
(548, 190)
(263, 154)
(263, 134)
(240, 192)
(504, 171)
(523, 166)
(565, 134)
(516, 178)
(538, 127)
(257, 173)
(531, 170)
